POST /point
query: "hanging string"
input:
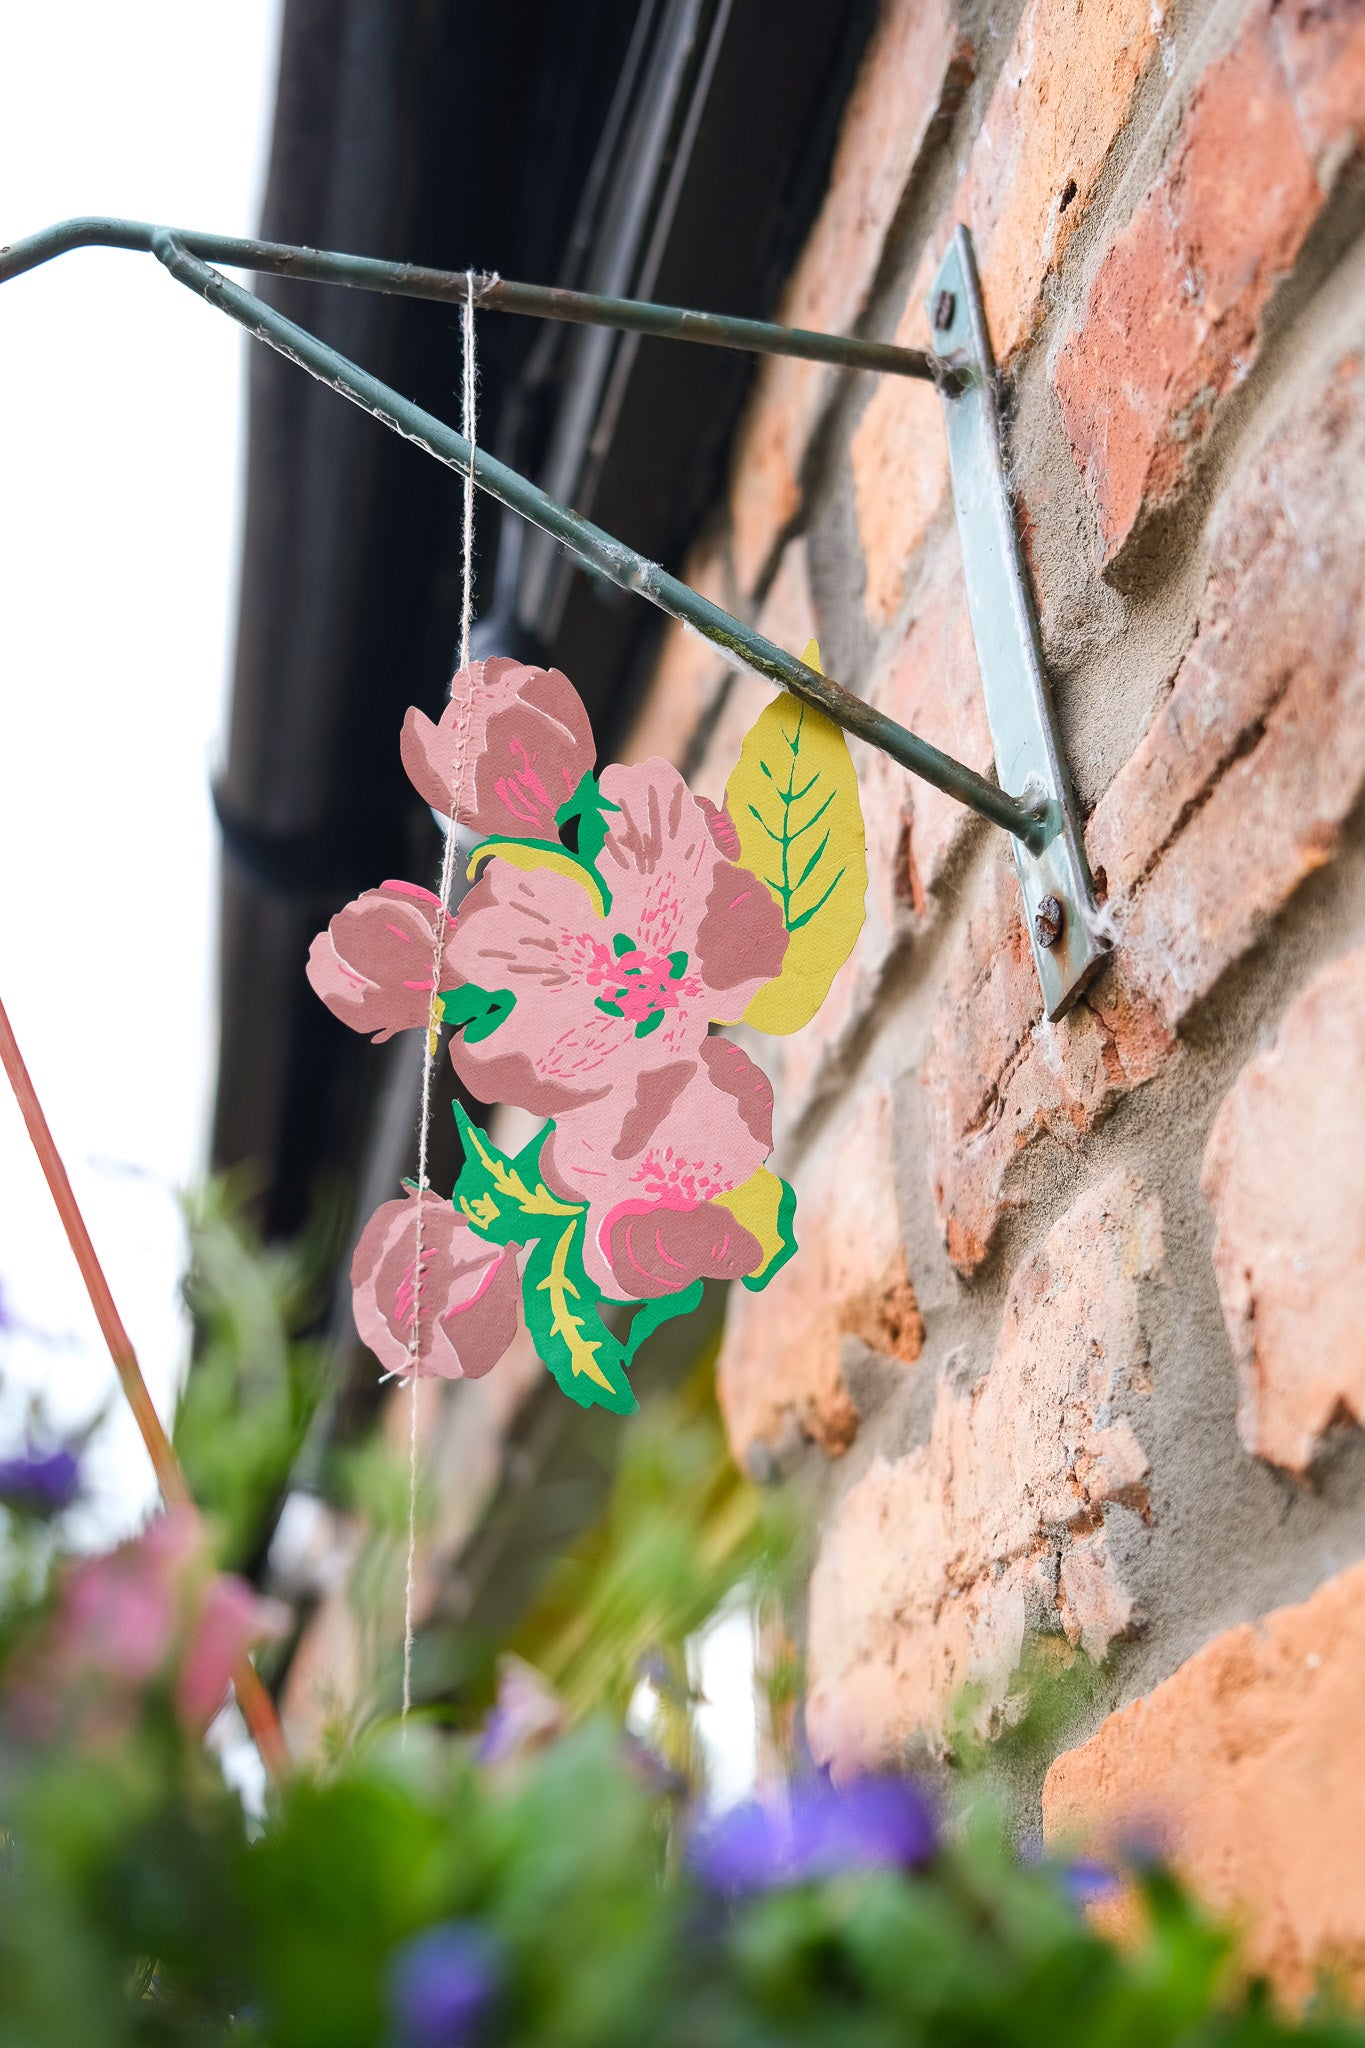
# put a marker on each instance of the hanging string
(465, 683)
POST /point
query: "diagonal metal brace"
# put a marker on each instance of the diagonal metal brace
(1035, 806)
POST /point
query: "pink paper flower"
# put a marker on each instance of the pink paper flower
(528, 745)
(690, 938)
(152, 1610)
(373, 964)
(650, 1164)
(466, 1305)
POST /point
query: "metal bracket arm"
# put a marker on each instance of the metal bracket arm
(1034, 805)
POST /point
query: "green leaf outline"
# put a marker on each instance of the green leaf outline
(786, 1227)
(505, 1200)
(588, 808)
(476, 1011)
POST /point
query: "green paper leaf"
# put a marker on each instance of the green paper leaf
(588, 809)
(563, 1315)
(651, 1314)
(476, 1011)
(504, 1199)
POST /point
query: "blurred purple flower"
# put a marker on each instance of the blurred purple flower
(527, 1714)
(1087, 1880)
(39, 1483)
(875, 1823)
(441, 1985)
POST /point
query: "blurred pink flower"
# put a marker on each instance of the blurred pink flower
(600, 1000)
(528, 745)
(232, 1619)
(469, 1291)
(650, 1163)
(373, 964)
(153, 1609)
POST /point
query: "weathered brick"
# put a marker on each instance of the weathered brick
(936, 1563)
(1239, 787)
(1054, 117)
(781, 1358)
(929, 682)
(1284, 1174)
(1174, 320)
(998, 1076)
(911, 79)
(1235, 793)
(1251, 1759)
(787, 618)
(688, 675)
(899, 457)
(1060, 106)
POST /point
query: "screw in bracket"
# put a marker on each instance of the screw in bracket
(945, 305)
(1049, 921)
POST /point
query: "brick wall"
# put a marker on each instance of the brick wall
(1076, 1340)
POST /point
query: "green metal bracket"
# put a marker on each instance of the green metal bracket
(1033, 804)
(1059, 895)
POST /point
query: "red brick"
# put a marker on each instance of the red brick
(1061, 104)
(1174, 319)
(1056, 112)
(1284, 1174)
(1251, 1760)
(781, 1358)
(930, 683)
(1236, 792)
(688, 675)
(912, 76)
(899, 457)
(936, 1563)
(998, 1076)
(788, 620)
(1239, 787)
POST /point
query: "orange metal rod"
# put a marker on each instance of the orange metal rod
(258, 1709)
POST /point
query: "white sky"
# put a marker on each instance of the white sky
(121, 399)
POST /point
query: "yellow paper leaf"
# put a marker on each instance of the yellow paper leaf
(793, 797)
(528, 855)
(766, 1207)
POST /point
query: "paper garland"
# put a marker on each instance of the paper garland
(612, 923)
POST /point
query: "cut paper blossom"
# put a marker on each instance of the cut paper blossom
(601, 997)
(650, 1164)
(468, 1295)
(372, 966)
(527, 747)
(611, 925)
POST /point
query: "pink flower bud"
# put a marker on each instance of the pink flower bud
(465, 1308)
(527, 745)
(373, 964)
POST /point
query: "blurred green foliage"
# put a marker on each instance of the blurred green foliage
(254, 1383)
(400, 1893)
(683, 1528)
(133, 1909)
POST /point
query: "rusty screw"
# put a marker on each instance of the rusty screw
(945, 305)
(1048, 921)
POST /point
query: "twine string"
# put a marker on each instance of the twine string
(464, 684)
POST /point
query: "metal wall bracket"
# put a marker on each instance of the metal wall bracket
(1059, 895)
(1032, 801)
